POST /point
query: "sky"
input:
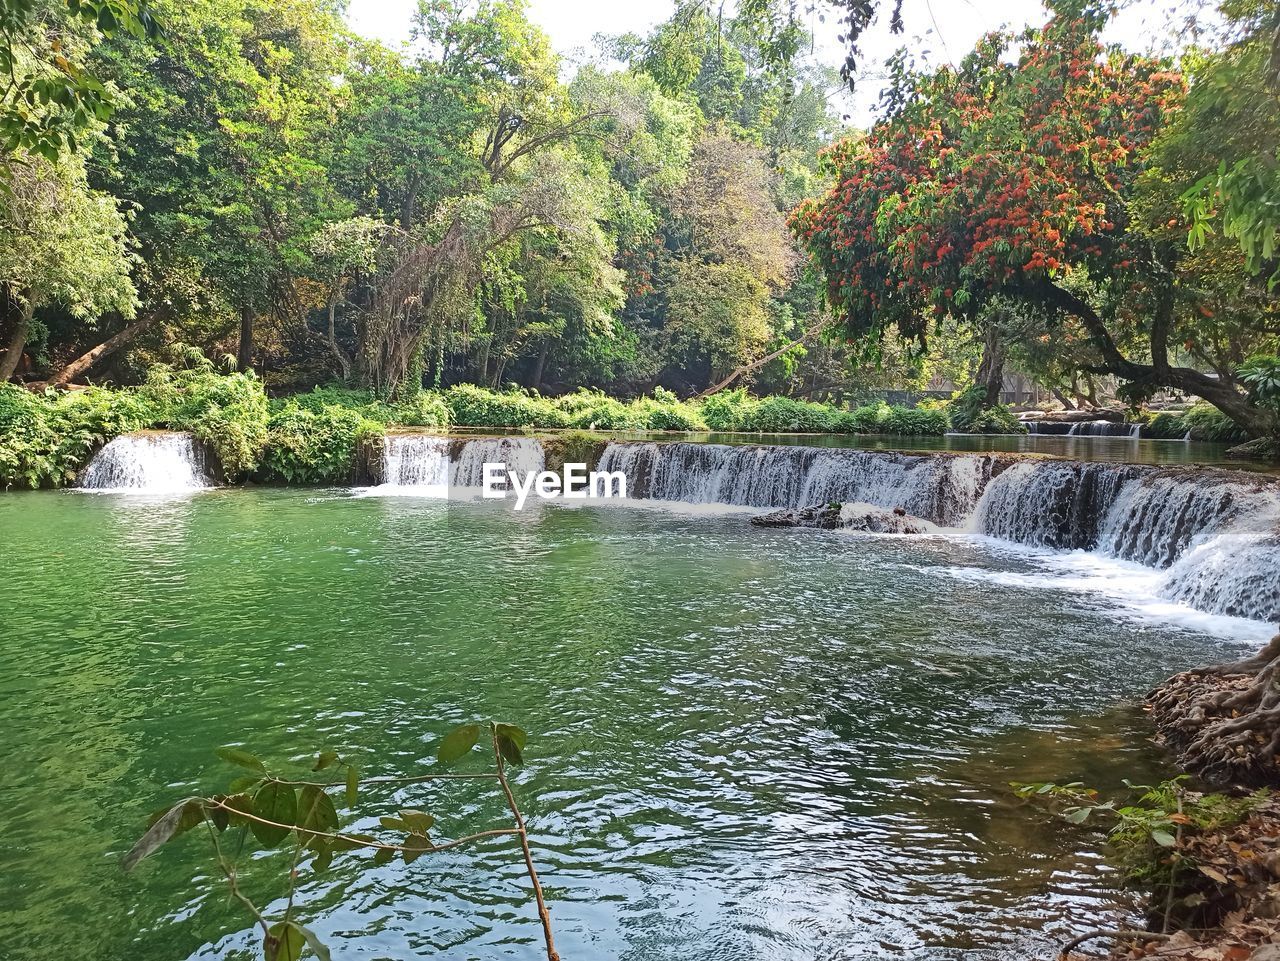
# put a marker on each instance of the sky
(944, 28)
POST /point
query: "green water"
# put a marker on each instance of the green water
(744, 743)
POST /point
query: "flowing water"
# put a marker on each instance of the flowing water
(155, 461)
(744, 743)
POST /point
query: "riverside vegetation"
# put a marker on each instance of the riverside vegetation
(46, 439)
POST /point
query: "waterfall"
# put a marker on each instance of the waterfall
(1056, 504)
(438, 466)
(416, 460)
(523, 455)
(1088, 428)
(939, 488)
(1217, 532)
(148, 463)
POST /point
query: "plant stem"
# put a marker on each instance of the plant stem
(523, 832)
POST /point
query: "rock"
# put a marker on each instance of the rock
(854, 517)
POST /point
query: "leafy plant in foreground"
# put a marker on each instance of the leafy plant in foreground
(273, 810)
(1147, 836)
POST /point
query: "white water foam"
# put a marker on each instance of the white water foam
(147, 463)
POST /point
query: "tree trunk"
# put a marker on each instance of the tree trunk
(17, 341)
(344, 362)
(991, 368)
(1254, 420)
(761, 361)
(541, 365)
(85, 362)
(1062, 398)
(244, 353)
(1223, 722)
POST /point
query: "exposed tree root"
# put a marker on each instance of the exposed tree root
(1223, 722)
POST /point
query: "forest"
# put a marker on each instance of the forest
(252, 185)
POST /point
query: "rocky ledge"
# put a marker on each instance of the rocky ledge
(848, 517)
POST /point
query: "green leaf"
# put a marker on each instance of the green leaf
(316, 813)
(284, 942)
(166, 827)
(237, 756)
(314, 943)
(1077, 815)
(511, 741)
(353, 785)
(243, 784)
(415, 846)
(275, 802)
(418, 822)
(517, 735)
(351, 842)
(458, 742)
(325, 759)
(383, 856)
(1163, 838)
(324, 856)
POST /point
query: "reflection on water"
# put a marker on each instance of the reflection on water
(744, 743)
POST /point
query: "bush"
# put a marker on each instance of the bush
(968, 414)
(1165, 426)
(665, 411)
(427, 409)
(868, 419)
(781, 415)
(592, 410)
(729, 410)
(310, 446)
(471, 406)
(228, 412)
(1205, 422)
(915, 422)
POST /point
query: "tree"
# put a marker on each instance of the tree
(1024, 180)
(60, 242)
(1232, 115)
(51, 103)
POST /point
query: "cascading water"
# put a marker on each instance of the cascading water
(942, 489)
(1217, 532)
(522, 455)
(1089, 428)
(416, 461)
(148, 463)
(437, 466)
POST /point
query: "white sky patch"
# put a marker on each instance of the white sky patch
(939, 31)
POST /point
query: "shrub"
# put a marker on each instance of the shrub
(315, 446)
(1205, 422)
(868, 419)
(228, 412)
(968, 414)
(1166, 425)
(915, 422)
(427, 409)
(729, 410)
(592, 410)
(471, 406)
(665, 411)
(780, 415)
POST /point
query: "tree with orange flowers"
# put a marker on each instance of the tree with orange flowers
(1022, 176)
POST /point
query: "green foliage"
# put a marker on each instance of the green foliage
(664, 411)
(1205, 422)
(228, 412)
(274, 809)
(781, 415)
(1149, 836)
(471, 406)
(315, 446)
(915, 422)
(1262, 375)
(969, 414)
